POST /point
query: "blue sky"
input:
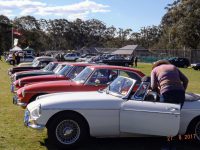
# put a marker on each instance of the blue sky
(124, 14)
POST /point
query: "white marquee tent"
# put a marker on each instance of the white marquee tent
(16, 48)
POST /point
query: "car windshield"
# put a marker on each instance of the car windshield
(75, 71)
(65, 70)
(83, 75)
(34, 60)
(47, 67)
(57, 68)
(36, 63)
(121, 86)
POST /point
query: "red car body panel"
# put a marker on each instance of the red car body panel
(30, 80)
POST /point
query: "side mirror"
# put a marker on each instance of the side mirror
(97, 82)
(152, 96)
(108, 83)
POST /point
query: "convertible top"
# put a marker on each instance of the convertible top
(191, 97)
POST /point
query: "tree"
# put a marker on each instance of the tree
(5, 33)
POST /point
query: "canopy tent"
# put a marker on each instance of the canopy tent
(16, 48)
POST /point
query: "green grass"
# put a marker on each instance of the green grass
(13, 134)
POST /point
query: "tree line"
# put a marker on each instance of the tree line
(179, 29)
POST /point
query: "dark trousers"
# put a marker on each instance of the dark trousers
(174, 96)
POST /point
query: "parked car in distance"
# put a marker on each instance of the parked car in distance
(35, 66)
(92, 78)
(22, 59)
(47, 70)
(179, 62)
(71, 57)
(41, 58)
(68, 71)
(85, 57)
(117, 60)
(195, 66)
(70, 118)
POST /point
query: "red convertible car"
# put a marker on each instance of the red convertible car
(69, 71)
(92, 78)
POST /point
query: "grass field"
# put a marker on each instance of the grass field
(13, 134)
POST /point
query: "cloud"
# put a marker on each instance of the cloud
(77, 10)
(7, 13)
(20, 4)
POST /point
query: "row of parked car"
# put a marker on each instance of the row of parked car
(183, 63)
(75, 100)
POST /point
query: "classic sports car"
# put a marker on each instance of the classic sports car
(179, 62)
(49, 69)
(92, 78)
(41, 58)
(115, 112)
(65, 71)
(195, 66)
(36, 66)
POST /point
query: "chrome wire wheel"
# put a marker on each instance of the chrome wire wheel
(197, 130)
(67, 132)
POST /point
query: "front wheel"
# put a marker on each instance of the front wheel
(197, 130)
(67, 130)
(194, 128)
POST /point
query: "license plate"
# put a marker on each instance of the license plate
(12, 88)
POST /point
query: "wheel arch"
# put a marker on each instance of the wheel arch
(72, 112)
(192, 123)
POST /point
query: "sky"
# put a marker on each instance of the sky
(133, 14)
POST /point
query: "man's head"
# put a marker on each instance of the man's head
(160, 62)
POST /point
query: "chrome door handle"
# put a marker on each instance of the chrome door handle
(172, 109)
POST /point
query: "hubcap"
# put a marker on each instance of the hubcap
(197, 130)
(67, 132)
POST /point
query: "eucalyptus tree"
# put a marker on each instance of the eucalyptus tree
(181, 24)
(29, 27)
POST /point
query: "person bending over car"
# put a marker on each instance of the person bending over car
(169, 81)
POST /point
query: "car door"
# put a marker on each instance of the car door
(148, 117)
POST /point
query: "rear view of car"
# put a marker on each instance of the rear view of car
(179, 62)
(196, 66)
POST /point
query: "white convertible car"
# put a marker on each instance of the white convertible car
(114, 112)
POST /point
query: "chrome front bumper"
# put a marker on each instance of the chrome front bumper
(31, 124)
(9, 72)
(17, 102)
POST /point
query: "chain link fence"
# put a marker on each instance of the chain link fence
(192, 55)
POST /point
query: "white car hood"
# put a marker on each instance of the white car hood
(78, 100)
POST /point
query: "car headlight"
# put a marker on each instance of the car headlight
(23, 92)
(13, 77)
(19, 82)
(36, 112)
(37, 98)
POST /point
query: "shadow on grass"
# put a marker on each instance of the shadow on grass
(130, 144)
